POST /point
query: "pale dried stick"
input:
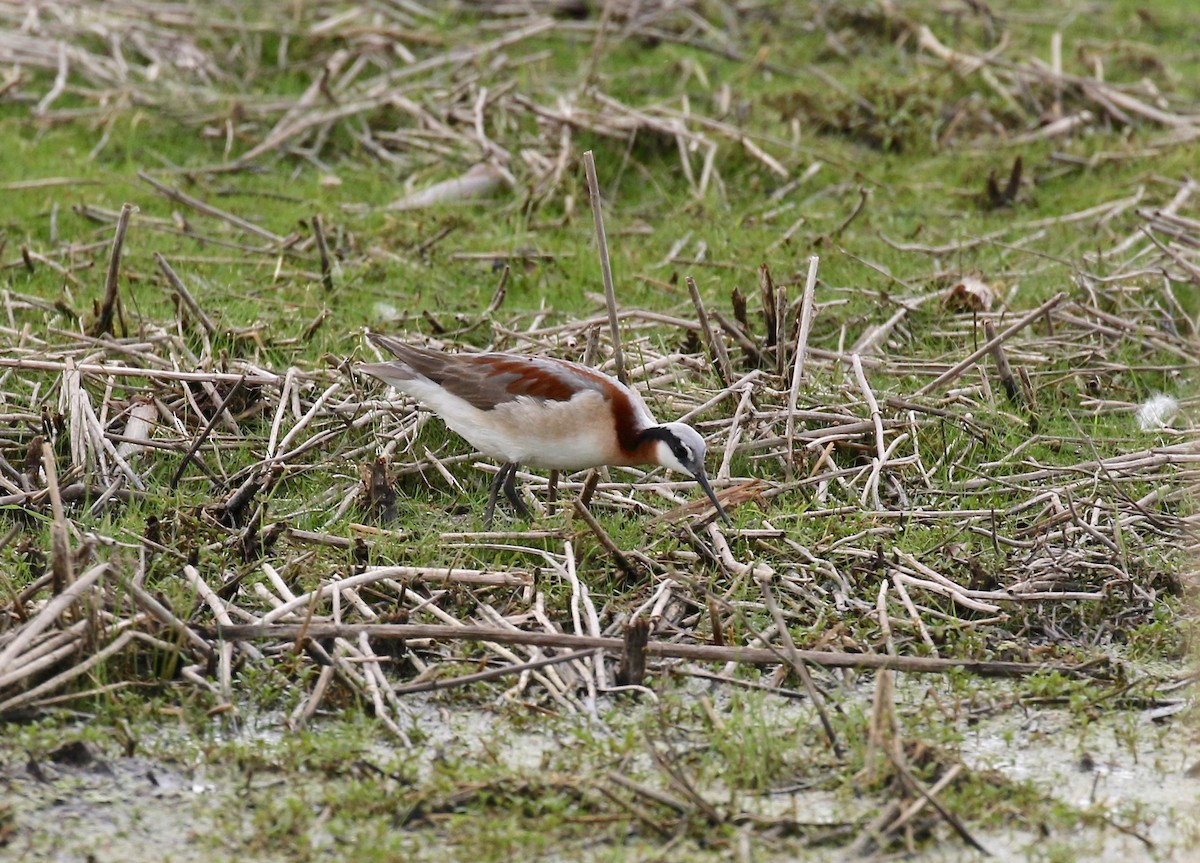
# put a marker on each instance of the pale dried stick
(220, 610)
(735, 433)
(64, 645)
(872, 485)
(60, 544)
(373, 676)
(209, 210)
(957, 596)
(806, 314)
(885, 623)
(912, 612)
(429, 574)
(151, 606)
(309, 416)
(610, 295)
(60, 81)
(581, 599)
(257, 379)
(305, 709)
(74, 671)
(494, 637)
(50, 613)
(716, 347)
(185, 295)
(289, 380)
(763, 576)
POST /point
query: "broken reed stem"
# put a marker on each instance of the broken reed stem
(753, 354)
(323, 252)
(915, 784)
(50, 613)
(1011, 388)
(552, 492)
(209, 210)
(185, 295)
(863, 194)
(716, 348)
(610, 294)
(110, 304)
(919, 804)
(1056, 73)
(589, 487)
(781, 306)
(207, 430)
(492, 673)
(882, 728)
(614, 551)
(60, 541)
(989, 346)
(500, 293)
(598, 44)
(663, 649)
(148, 603)
(108, 370)
(793, 658)
(632, 670)
(806, 315)
(766, 292)
(872, 406)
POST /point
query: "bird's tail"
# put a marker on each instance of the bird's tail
(393, 373)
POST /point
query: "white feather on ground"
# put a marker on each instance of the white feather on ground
(1157, 412)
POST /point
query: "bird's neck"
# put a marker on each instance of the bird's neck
(632, 427)
(645, 445)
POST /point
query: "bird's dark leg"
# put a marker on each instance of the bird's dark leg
(502, 474)
(510, 492)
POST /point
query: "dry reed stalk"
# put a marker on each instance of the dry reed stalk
(871, 487)
(793, 657)
(800, 354)
(610, 295)
(63, 600)
(701, 652)
(185, 295)
(716, 348)
(110, 305)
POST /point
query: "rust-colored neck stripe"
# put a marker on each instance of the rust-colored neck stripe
(630, 437)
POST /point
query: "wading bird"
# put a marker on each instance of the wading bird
(541, 412)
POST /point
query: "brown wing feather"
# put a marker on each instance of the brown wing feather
(487, 380)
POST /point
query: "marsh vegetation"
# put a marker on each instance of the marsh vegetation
(925, 275)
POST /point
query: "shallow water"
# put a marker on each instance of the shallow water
(1124, 768)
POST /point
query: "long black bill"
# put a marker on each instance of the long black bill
(708, 490)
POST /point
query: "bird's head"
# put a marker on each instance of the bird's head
(679, 447)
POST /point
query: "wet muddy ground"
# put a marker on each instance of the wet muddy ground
(1136, 775)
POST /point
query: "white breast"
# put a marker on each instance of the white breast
(566, 435)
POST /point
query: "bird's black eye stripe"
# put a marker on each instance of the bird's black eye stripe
(679, 449)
